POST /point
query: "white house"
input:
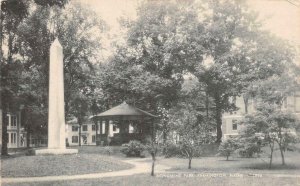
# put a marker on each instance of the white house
(88, 132)
(15, 131)
(229, 120)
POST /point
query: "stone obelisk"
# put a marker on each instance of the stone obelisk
(56, 112)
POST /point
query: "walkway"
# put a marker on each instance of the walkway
(140, 166)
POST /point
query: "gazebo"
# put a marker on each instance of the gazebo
(132, 123)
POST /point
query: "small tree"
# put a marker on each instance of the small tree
(248, 146)
(284, 127)
(227, 147)
(274, 126)
(192, 129)
(153, 148)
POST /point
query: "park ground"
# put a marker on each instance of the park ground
(205, 170)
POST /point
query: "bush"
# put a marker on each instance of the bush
(30, 152)
(248, 147)
(133, 148)
(172, 150)
(227, 147)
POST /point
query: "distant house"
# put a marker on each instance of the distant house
(88, 131)
(230, 120)
(15, 131)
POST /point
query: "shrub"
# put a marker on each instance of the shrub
(249, 146)
(227, 147)
(30, 152)
(133, 148)
(172, 150)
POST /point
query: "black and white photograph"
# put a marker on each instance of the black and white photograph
(150, 92)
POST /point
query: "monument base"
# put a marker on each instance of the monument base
(55, 151)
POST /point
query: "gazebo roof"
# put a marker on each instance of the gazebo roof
(125, 111)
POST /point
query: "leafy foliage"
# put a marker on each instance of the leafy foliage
(228, 147)
(193, 131)
(273, 126)
(29, 31)
(133, 148)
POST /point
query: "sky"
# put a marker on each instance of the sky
(280, 17)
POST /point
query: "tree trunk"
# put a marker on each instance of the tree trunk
(164, 132)
(227, 157)
(1, 59)
(4, 150)
(282, 156)
(207, 104)
(3, 119)
(271, 156)
(153, 164)
(190, 163)
(27, 138)
(218, 118)
(281, 147)
(246, 102)
(79, 136)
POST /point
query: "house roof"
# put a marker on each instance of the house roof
(124, 111)
(74, 120)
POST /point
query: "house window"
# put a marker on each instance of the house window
(74, 139)
(13, 138)
(93, 138)
(234, 124)
(74, 128)
(84, 127)
(297, 104)
(13, 121)
(93, 127)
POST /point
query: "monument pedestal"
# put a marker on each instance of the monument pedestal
(55, 151)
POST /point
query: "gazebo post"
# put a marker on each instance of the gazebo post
(100, 132)
(96, 123)
(107, 129)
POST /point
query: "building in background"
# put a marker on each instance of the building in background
(15, 131)
(88, 132)
(230, 125)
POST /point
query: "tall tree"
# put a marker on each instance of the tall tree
(149, 67)
(73, 26)
(12, 13)
(237, 52)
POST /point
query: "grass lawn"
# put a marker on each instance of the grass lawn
(82, 163)
(244, 165)
(107, 151)
(146, 180)
(91, 159)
